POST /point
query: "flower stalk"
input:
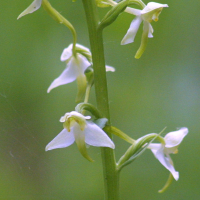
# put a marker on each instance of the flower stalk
(96, 42)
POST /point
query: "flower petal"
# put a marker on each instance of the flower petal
(67, 53)
(95, 136)
(133, 11)
(67, 76)
(130, 35)
(152, 11)
(32, 8)
(165, 161)
(81, 62)
(154, 146)
(153, 6)
(150, 34)
(174, 138)
(62, 140)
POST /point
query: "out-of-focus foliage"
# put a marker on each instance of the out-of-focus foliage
(160, 89)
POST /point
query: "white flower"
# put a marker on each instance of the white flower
(75, 69)
(162, 151)
(76, 128)
(36, 4)
(150, 12)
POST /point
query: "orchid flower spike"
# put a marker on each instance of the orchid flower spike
(162, 151)
(77, 128)
(150, 12)
(36, 4)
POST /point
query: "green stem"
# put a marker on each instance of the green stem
(111, 178)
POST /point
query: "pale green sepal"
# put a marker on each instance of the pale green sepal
(136, 150)
(167, 184)
(32, 8)
(82, 84)
(80, 141)
(101, 122)
(119, 133)
(89, 107)
(112, 15)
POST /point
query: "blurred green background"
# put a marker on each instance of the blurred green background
(160, 89)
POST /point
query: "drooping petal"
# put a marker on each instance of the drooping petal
(95, 136)
(144, 40)
(165, 161)
(80, 141)
(62, 140)
(175, 138)
(67, 76)
(130, 35)
(32, 8)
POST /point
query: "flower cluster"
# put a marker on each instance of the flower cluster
(81, 129)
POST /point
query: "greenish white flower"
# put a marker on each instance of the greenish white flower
(150, 12)
(36, 4)
(75, 68)
(78, 129)
(162, 151)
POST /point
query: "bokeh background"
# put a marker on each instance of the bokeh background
(160, 89)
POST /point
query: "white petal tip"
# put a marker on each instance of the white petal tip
(48, 90)
(113, 146)
(176, 175)
(47, 148)
(124, 42)
(110, 69)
